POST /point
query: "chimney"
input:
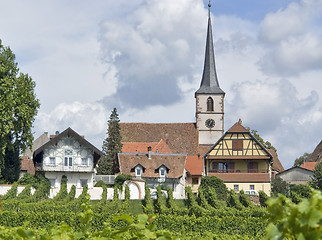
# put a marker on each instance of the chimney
(149, 152)
(240, 121)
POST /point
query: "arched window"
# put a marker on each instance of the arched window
(210, 104)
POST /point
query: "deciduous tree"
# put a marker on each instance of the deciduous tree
(317, 176)
(18, 105)
(304, 158)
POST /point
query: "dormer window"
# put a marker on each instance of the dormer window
(210, 105)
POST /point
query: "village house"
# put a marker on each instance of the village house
(67, 154)
(240, 161)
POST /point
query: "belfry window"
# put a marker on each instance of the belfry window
(210, 104)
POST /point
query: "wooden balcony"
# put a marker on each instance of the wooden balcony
(242, 177)
(237, 171)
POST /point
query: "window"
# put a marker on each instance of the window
(236, 188)
(237, 145)
(138, 172)
(219, 167)
(195, 180)
(210, 104)
(251, 187)
(231, 167)
(162, 172)
(253, 167)
(68, 161)
(83, 182)
(68, 157)
(84, 162)
(52, 182)
(52, 160)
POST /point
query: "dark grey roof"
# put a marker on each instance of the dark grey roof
(209, 82)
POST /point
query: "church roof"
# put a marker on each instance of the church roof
(141, 147)
(175, 163)
(209, 82)
(179, 137)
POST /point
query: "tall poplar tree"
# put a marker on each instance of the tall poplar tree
(18, 107)
(111, 146)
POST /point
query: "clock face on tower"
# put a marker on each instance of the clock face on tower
(210, 123)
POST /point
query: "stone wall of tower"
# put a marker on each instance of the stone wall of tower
(210, 136)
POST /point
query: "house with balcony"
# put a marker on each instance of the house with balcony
(67, 154)
(240, 161)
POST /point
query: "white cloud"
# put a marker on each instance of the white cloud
(293, 39)
(89, 119)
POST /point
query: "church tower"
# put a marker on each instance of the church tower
(209, 98)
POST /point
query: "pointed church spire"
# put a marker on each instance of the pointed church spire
(209, 82)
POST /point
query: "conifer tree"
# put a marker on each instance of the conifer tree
(112, 145)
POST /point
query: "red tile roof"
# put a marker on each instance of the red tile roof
(237, 128)
(317, 153)
(142, 147)
(194, 165)
(174, 162)
(309, 165)
(242, 177)
(277, 165)
(180, 137)
(27, 165)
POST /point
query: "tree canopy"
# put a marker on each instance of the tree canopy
(266, 144)
(304, 158)
(317, 176)
(18, 105)
(111, 146)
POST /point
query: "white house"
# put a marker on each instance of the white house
(67, 154)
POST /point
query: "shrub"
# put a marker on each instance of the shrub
(26, 193)
(148, 204)
(84, 194)
(263, 197)
(100, 183)
(209, 182)
(301, 191)
(104, 193)
(120, 179)
(233, 201)
(295, 221)
(62, 194)
(279, 186)
(12, 192)
(244, 200)
(116, 193)
(72, 193)
(159, 204)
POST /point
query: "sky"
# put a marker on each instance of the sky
(145, 57)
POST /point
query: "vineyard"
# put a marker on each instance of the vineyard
(208, 216)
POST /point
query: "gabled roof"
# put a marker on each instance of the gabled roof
(309, 165)
(141, 147)
(173, 162)
(68, 133)
(237, 128)
(209, 82)
(180, 137)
